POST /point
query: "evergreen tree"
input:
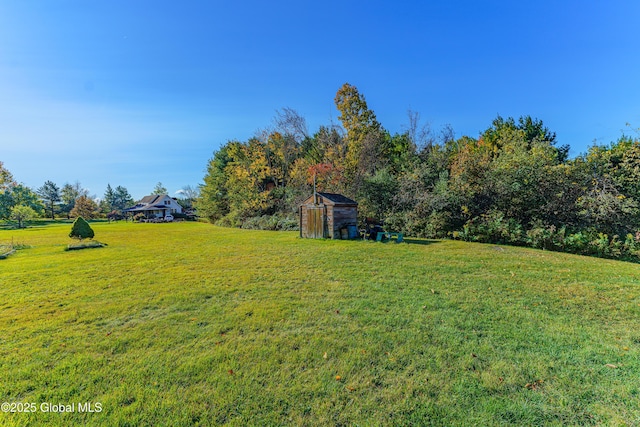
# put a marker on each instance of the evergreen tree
(122, 198)
(160, 189)
(109, 200)
(81, 229)
(50, 194)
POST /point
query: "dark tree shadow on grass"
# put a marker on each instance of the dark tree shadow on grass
(421, 241)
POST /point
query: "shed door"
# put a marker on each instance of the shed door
(315, 222)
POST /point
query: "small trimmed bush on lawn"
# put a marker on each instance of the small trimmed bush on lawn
(81, 229)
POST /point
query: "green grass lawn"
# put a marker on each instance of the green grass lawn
(189, 324)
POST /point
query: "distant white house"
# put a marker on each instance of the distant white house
(156, 206)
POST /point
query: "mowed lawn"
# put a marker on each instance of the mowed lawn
(190, 324)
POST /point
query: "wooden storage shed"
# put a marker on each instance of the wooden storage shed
(328, 215)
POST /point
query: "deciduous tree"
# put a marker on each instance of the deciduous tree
(187, 196)
(84, 207)
(362, 127)
(22, 213)
(5, 177)
(69, 194)
(18, 194)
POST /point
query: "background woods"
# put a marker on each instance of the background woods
(512, 184)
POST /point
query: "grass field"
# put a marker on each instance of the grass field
(189, 324)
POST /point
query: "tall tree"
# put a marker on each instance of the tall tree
(69, 194)
(531, 129)
(122, 199)
(50, 194)
(213, 202)
(19, 194)
(626, 172)
(187, 196)
(21, 213)
(419, 135)
(289, 122)
(109, 200)
(364, 135)
(248, 175)
(84, 207)
(5, 177)
(160, 189)
(355, 116)
(22, 195)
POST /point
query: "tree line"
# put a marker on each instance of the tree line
(513, 184)
(21, 203)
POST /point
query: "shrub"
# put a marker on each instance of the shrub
(271, 222)
(436, 225)
(81, 229)
(114, 216)
(288, 224)
(183, 216)
(577, 243)
(543, 236)
(232, 219)
(605, 247)
(492, 227)
(631, 247)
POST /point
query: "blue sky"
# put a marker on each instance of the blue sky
(136, 92)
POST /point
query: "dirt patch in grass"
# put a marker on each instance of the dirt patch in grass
(5, 253)
(10, 249)
(85, 245)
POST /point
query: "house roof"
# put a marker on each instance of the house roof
(149, 203)
(147, 200)
(141, 208)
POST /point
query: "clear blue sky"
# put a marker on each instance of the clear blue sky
(135, 92)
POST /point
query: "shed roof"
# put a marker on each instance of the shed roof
(333, 199)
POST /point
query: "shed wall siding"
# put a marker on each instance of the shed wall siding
(342, 217)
